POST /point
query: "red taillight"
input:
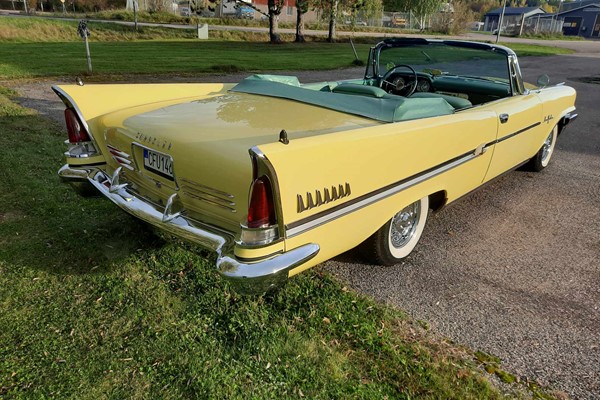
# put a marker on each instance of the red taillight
(77, 132)
(261, 212)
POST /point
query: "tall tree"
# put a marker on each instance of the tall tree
(424, 8)
(275, 7)
(301, 9)
(329, 11)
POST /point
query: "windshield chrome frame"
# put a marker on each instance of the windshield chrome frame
(514, 73)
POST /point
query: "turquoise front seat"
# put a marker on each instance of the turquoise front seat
(457, 102)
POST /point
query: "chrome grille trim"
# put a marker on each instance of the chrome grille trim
(117, 152)
(120, 156)
(208, 195)
(229, 207)
(207, 189)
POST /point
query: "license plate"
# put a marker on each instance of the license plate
(159, 163)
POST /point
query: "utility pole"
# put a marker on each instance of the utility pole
(135, 9)
(558, 12)
(500, 24)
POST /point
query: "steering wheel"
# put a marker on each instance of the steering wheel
(392, 70)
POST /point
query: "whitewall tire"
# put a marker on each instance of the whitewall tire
(398, 237)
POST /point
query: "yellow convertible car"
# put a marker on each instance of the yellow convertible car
(276, 176)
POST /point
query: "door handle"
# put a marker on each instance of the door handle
(503, 118)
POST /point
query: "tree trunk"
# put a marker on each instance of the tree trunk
(332, 18)
(135, 14)
(273, 28)
(299, 26)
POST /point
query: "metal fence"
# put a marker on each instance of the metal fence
(537, 24)
(402, 20)
(532, 25)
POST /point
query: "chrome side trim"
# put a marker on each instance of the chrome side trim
(316, 220)
(323, 217)
(249, 277)
(514, 133)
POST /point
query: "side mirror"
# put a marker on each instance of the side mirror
(543, 80)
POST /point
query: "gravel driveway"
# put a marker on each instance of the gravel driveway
(513, 269)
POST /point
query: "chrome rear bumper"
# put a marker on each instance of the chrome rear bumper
(254, 277)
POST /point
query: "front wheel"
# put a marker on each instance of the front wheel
(542, 158)
(398, 237)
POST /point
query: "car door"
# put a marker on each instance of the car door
(519, 132)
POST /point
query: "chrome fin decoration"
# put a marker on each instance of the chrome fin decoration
(321, 197)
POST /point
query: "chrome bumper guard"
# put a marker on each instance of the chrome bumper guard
(254, 277)
(567, 119)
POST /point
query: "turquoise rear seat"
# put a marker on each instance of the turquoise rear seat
(363, 90)
(353, 98)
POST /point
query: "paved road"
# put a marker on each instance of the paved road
(513, 269)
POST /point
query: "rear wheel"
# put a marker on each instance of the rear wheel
(542, 158)
(398, 237)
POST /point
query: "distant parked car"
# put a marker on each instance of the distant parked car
(184, 11)
(475, 26)
(358, 22)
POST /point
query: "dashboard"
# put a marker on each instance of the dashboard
(401, 83)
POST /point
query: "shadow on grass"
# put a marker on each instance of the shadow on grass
(44, 223)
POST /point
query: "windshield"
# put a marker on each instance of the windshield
(442, 59)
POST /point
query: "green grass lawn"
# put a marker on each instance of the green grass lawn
(24, 60)
(93, 305)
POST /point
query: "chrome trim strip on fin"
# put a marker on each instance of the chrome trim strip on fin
(265, 167)
(69, 102)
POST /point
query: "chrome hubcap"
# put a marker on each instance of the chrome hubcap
(547, 146)
(404, 224)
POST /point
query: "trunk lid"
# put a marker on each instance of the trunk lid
(207, 140)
